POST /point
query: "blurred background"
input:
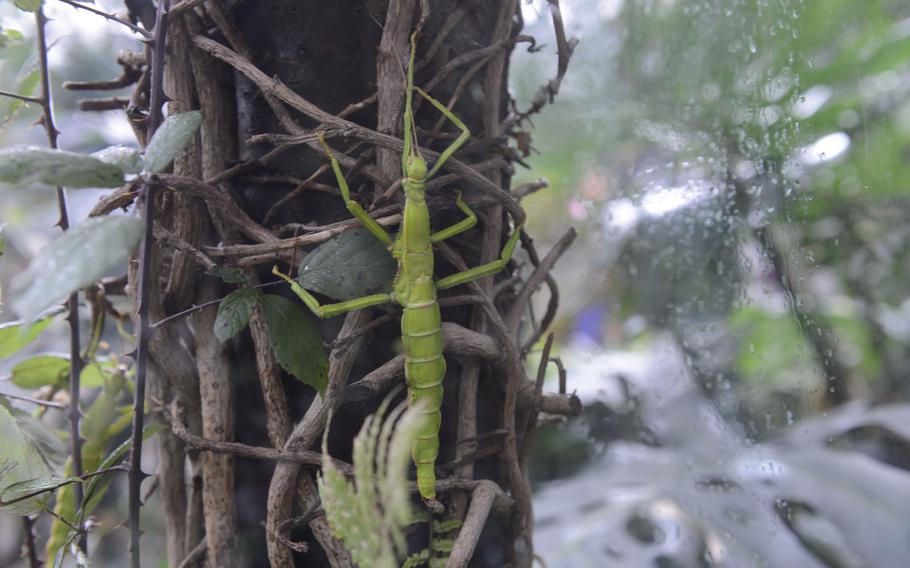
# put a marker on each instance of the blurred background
(736, 312)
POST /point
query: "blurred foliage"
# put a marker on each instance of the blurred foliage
(739, 169)
(685, 127)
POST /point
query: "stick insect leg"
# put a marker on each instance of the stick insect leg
(458, 227)
(487, 269)
(330, 310)
(355, 208)
(457, 143)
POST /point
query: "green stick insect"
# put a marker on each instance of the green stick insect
(414, 288)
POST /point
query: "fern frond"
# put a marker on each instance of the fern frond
(369, 515)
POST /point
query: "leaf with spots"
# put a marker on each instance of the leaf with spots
(353, 264)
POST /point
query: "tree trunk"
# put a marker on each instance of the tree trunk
(232, 60)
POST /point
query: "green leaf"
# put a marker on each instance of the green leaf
(27, 165)
(76, 259)
(15, 335)
(170, 139)
(228, 274)
(234, 313)
(442, 527)
(296, 341)
(97, 373)
(353, 264)
(20, 460)
(53, 369)
(442, 544)
(28, 5)
(41, 370)
(417, 559)
(127, 160)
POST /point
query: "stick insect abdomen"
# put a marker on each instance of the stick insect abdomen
(424, 370)
(425, 367)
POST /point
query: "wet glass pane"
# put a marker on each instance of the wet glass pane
(735, 313)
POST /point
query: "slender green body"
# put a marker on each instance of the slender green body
(414, 288)
(424, 364)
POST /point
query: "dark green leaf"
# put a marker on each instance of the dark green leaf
(229, 274)
(128, 160)
(234, 313)
(27, 165)
(15, 335)
(41, 370)
(28, 5)
(296, 341)
(76, 259)
(170, 139)
(20, 460)
(353, 264)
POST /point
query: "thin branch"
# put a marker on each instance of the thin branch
(502, 502)
(103, 104)
(144, 291)
(530, 418)
(482, 499)
(530, 187)
(110, 17)
(35, 100)
(226, 207)
(527, 243)
(165, 236)
(28, 527)
(183, 5)
(37, 401)
(560, 404)
(303, 457)
(564, 48)
(275, 87)
(75, 479)
(196, 308)
(562, 374)
(513, 319)
(195, 555)
(303, 240)
(72, 316)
